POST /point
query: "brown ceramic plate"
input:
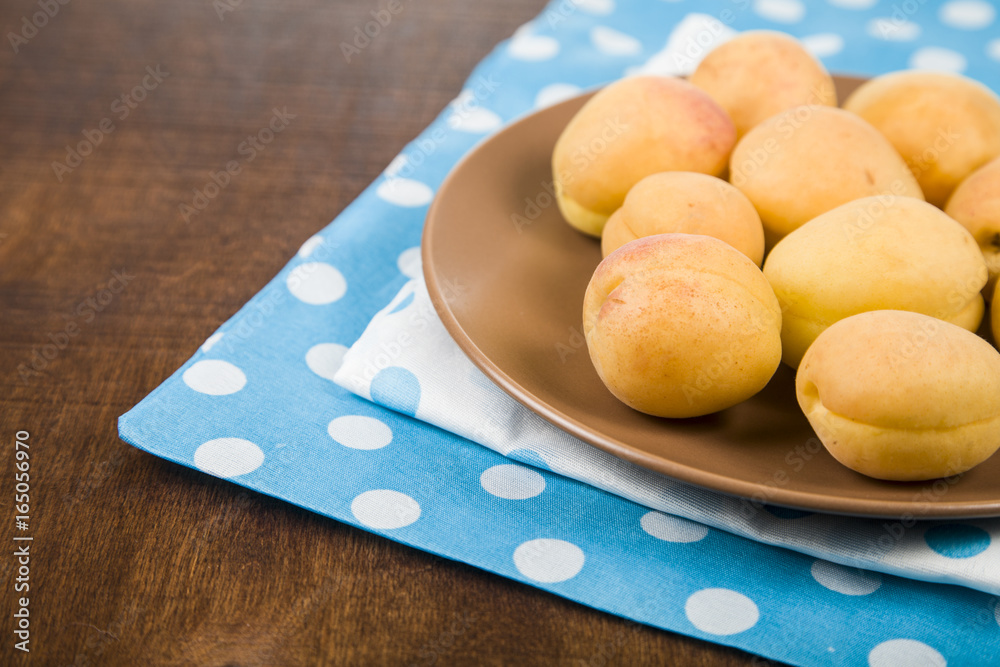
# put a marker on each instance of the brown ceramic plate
(507, 276)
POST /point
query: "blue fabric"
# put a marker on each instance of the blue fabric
(256, 403)
(447, 390)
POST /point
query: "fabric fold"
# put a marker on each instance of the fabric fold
(444, 388)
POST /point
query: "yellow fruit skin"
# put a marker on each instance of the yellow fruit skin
(808, 160)
(944, 125)
(876, 253)
(633, 128)
(689, 203)
(587, 221)
(976, 204)
(995, 314)
(681, 325)
(760, 73)
(902, 396)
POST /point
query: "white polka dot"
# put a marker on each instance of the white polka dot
(228, 457)
(404, 192)
(214, 377)
(468, 116)
(720, 611)
(893, 30)
(525, 45)
(325, 359)
(853, 4)
(938, 59)
(967, 14)
(474, 120)
(383, 509)
(409, 262)
(359, 432)
(549, 561)
(695, 36)
(465, 99)
(905, 653)
(596, 7)
(823, 45)
(310, 246)
(780, 11)
(613, 43)
(849, 581)
(211, 341)
(555, 93)
(396, 166)
(671, 528)
(512, 482)
(316, 283)
(993, 49)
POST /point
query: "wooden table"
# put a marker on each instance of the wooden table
(106, 288)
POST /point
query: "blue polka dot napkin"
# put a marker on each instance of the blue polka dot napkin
(406, 361)
(257, 403)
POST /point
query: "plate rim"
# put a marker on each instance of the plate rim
(699, 477)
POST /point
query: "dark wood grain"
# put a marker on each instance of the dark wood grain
(140, 561)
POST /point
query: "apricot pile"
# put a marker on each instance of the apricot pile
(745, 219)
